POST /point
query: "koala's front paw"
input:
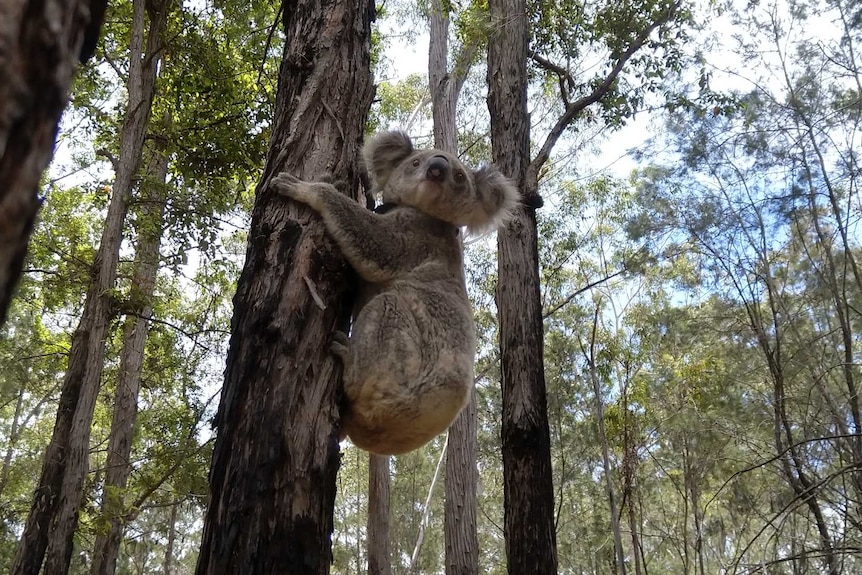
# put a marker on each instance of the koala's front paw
(292, 187)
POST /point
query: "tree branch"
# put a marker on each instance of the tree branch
(574, 109)
(463, 62)
(568, 299)
(567, 83)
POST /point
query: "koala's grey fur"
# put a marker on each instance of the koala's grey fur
(408, 364)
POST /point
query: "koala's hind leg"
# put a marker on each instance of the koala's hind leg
(339, 346)
(382, 359)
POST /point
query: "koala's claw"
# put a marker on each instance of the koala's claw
(290, 186)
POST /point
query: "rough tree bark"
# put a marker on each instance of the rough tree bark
(528, 484)
(531, 546)
(272, 478)
(379, 559)
(172, 538)
(118, 464)
(53, 518)
(36, 70)
(459, 522)
(462, 545)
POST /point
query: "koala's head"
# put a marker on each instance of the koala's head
(437, 183)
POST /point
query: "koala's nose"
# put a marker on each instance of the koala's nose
(438, 167)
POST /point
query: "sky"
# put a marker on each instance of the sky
(407, 53)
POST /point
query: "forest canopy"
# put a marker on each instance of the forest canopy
(697, 257)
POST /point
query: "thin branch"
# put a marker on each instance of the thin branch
(798, 499)
(110, 157)
(575, 108)
(563, 76)
(463, 62)
(269, 36)
(426, 512)
(568, 299)
(774, 458)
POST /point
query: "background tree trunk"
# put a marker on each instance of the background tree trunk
(379, 561)
(59, 492)
(276, 456)
(528, 484)
(462, 545)
(619, 554)
(151, 217)
(37, 70)
(426, 516)
(172, 537)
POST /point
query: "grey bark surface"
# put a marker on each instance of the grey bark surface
(276, 455)
(36, 70)
(619, 552)
(53, 518)
(461, 475)
(118, 463)
(172, 538)
(379, 490)
(528, 487)
(459, 521)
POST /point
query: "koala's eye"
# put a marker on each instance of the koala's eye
(460, 177)
(416, 162)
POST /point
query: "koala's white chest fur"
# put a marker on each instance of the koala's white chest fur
(408, 364)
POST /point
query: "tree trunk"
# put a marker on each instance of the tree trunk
(459, 525)
(172, 537)
(152, 207)
(426, 516)
(59, 492)
(12, 441)
(276, 456)
(528, 485)
(444, 96)
(619, 555)
(379, 559)
(462, 546)
(630, 492)
(37, 70)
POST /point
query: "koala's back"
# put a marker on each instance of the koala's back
(412, 345)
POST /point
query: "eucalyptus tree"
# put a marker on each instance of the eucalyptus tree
(768, 209)
(445, 84)
(214, 141)
(638, 45)
(53, 518)
(205, 140)
(276, 458)
(38, 70)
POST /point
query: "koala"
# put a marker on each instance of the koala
(408, 363)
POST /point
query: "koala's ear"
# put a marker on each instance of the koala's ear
(496, 197)
(383, 153)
